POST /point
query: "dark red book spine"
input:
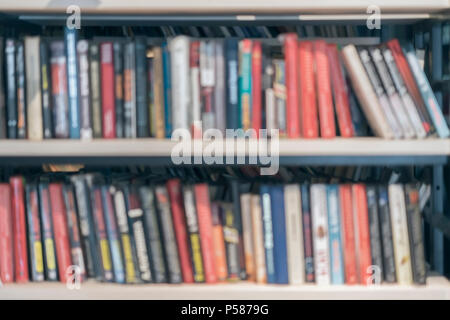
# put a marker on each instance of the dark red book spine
(179, 225)
(63, 255)
(256, 87)
(362, 236)
(19, 230)
(348, 236)
(292, 99)
(108, 99)
(308, 107)
(205, 226)
(6, 235)
(340, 91)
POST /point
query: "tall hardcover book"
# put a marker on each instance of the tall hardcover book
(307, 234)
(266, 204)
(235, 196)
(158, 117)
(48, 239)
(107, 85)
(280, 95)
(207, 83)
(247, 236)
(129, 90)
(257, 86)
(258, 239)
(21, 86)
(118, 87)
(196, 108)
(33, 88)
(6, 235)
(36, 258)
(219, 86)
(19, 229)
(293, 65)
(59, 90)
(11, 95)
(335, 236)
(70, 37)
(374, 227)
(96, 91)
(245, 83)
(47, 117)
(219, 242)
(348, 232)
(279, 234)
(232, 88)
(167, 90)
(62, 244)
(142, 118)
(84, 90)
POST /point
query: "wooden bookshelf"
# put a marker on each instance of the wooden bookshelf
(437, 288)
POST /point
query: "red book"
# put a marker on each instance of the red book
(108, 100)
(308, 108)
(324, 98)
(205, 227)
(362, 233)
(292, 100)
(19, 229)
(340, 91)
(63, 255)
(348, 236)
(6, 235)
(256, 87)
(179, 225)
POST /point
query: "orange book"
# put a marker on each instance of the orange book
(219, 243)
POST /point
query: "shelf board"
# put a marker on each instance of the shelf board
(436, 288)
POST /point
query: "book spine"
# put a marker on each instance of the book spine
(51, 272)
(247, 236)
(179, 65)
(107, 85)
(294, 234)
(258, 239)
(153, 233)
(113, 235)
(151, 79)
(59, 90)
(83, 80)
(257, 87)
(231, 237)
(340, 93)
(279, 234)
(386, 235)
(33, 88)
(219, 88)
(348, 230)
(136, 222)
(291, 51)
(158, 87)
(118, 88)
(245, 83)
(219, 243)
(235, 195)
(279, 88)
(167, 90)
(415, 233)
(142, 116)
(374, 227)
(207, 83)
(308, 107)
(96, 102)
(20, 86)
(324, 97)
(126, 237)
(334, 234)
(129, 90)
(11, 102)
(196, 108)
(61, 232)
(34, 233)
(307, 234)
(206, 231)
(70, 37)
(6, 235)
(19, 230)
(74, 232)
(268, 233)
(179, 223)
(3, 112)
(320, 234)
(194, 235)
(271, 121)
(362, 232)
(232, 76)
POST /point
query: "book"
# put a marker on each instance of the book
(70, 40)
(307, 234)
(237, 221)
(280, 95)
(11, 95)
(219, 242)
(96, 91)
(35, 252)
(84, 90)
(207, 83)
(142, 110)
(21, 86)
(232, 88)
(256, 87)
(266, 205)
(258, 239)
(245, 83)
(292, 65)
(195, 116)
(107, 88)
(167, 90)
(334, 235)
(348, 233)
(219, 86)
(129, 90)
(158, 117)
(247, 236)
(3, 119)
(374, 228)
(279, 234)
(6, 235)
(118, 87)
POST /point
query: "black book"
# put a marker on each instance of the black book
(232, 86)
(118, 87)
(307, 234)
(95, 83)
(46, 93)
(142, 112)
(386, 235)
(153, 234)
(11, 97)
(21, 100)
(414, 221)
(170, 245)
(231, 237)
(374, 229)
(235, 194)
(2, 94)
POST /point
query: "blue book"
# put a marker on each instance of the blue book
(113, 236)
(232, 85)
(334, 235)
(279, 234)
(167, 90)
(70, 36)
(268, 233)
(434, 110)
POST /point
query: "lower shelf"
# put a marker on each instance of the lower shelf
(437, 288)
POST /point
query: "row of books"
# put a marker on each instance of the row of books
(135, 232)
(137, 88)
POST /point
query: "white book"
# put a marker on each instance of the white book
(294, 234)
(246, 216)
(400, 239)
(258, 239)
(195, 99)
(179, 60)
(320, 233)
